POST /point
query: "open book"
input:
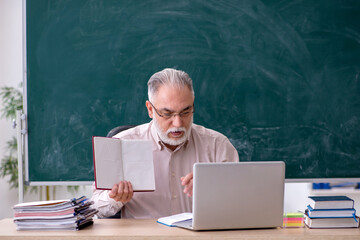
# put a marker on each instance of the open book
(117, 160)
(171, 221)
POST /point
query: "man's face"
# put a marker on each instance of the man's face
(177, 103)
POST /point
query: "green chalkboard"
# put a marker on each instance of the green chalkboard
(280, 78)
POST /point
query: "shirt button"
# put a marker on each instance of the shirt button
(173, 174)
(174, 196)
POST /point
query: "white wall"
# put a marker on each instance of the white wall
(11, 75)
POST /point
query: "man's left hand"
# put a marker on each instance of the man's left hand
(187, 181)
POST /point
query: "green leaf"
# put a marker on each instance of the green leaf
(12, 100)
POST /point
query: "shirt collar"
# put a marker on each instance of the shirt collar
(155, 136)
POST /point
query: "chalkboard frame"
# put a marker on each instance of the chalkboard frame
(34, 182)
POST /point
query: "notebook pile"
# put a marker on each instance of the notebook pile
(73, 214)
(331, 212)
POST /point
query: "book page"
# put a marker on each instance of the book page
(107, 162)
(171, 220)
(138, 164)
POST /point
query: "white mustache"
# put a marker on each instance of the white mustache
(182, 129)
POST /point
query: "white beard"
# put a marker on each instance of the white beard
(170, 141)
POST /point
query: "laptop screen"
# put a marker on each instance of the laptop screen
(238, 195)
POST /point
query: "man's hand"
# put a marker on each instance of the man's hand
(122, 192)
(187, 181)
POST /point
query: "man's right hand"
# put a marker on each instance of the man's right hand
(122, 192)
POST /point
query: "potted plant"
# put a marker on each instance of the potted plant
(12, 101)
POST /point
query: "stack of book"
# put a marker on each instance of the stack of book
(73, 214)
(331, 212)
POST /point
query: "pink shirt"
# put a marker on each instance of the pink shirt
(203, 145)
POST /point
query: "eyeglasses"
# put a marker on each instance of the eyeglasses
(169, 114)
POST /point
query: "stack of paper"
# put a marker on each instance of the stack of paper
(73, 214)
(331, 212)
(293, 220)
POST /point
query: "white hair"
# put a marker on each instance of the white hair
(168, 76)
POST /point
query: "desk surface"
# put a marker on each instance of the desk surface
(149, 229)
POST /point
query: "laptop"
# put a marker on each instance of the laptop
(241, 195)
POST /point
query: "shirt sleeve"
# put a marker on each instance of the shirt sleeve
(104, 204)
(228, 152)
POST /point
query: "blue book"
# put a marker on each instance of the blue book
(171, 221)
(330, 213)
(349, 222)
(331, 202)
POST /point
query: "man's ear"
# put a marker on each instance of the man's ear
(149, 108)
